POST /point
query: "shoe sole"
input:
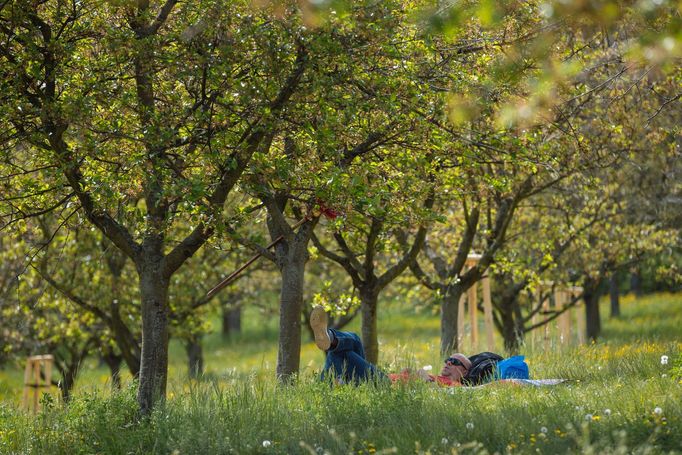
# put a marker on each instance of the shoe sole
(318, 322)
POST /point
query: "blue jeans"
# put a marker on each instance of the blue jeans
(347, 363)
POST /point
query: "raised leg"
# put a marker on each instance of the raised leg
(347, 362)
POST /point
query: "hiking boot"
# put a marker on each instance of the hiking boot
(318, 322)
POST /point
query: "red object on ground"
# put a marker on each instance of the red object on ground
(405, 376)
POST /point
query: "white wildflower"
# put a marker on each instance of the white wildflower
(607, 412)
(664, 360)
(267, 443)
(444, 441)
(658, 410)
(470, 426)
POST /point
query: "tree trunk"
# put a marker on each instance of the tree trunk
(124, 338)
(232, 320)
(114, 361)
(195, 357)
(290, 307)
(291, 256)
(370, 338)
(129, 347)
(449, 341)
(519, 326)
(512, 333)
(67, 383)
(614, 295)
(69, 372)
(154, 360)
(592, 317)
(636, 282)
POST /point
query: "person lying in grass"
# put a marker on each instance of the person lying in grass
(346, 358)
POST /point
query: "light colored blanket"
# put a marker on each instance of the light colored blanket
(517, 382)
(535, 382)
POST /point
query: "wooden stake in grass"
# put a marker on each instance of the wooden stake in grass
(472, 302)
(460, 320)
(563, 321)
(545, 310)
(580, 314)
(488, 313)
(37, 378)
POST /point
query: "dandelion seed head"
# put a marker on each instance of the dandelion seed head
(588, 417)
(658, 410)
(607, 412)
(267, 443)
(470, 425)
(664, 360)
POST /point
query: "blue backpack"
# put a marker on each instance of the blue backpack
(488, 366)
(513, 368)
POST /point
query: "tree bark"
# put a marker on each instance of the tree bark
(69, 370)
(155, 315)
(592, 317)
(290, 307)
(291, 256)
(368, 310)
(519, 326)
(232, 320)
(449, 338)
(67, 383)
(614, 294)
(636, 282)
(195, 358)
(114, 361)
(512, 323)
(124, 338)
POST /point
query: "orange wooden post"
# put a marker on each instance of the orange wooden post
(36, 385)
(488, 314)
(472, 300)
(535, 318)
(545, 308)
(558, 304)
(460, 321)
(565, 317)
(33, 380)
(48, 374)
(580, 315)
(28, 372)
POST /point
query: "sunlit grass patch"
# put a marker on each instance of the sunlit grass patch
(260, 416)
(620, 398)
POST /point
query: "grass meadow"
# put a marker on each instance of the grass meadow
(621, 398)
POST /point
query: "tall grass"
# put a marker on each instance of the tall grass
(620, 399)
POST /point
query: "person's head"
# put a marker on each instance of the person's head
(456, 366)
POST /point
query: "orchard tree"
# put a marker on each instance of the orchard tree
(361, 108)
(517, 110)
(161, 103)
(364, 247)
